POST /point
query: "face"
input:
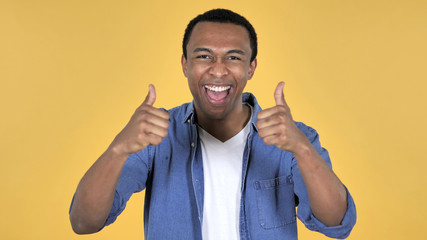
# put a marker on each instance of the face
(217, 68)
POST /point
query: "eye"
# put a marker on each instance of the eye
(203, 56)
(234, 58)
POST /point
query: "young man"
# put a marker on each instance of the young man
(219, 167)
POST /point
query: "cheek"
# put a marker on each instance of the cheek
(196, 74)
(240, 72)
(193, 84)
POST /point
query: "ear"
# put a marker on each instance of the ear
(252, 68)
(184, 65)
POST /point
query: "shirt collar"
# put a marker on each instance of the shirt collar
(250, 99)
(189, 113)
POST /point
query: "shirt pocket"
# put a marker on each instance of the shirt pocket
(276, 202)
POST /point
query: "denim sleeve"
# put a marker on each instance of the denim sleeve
(132, 179)
(304, 212)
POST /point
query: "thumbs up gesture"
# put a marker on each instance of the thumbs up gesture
(147, 126)
(277, 127)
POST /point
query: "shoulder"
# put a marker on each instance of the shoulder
(181, 108)
(310, 132)
(180, 113)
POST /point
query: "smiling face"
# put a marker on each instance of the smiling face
(217, 68)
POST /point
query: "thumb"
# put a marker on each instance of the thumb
(278, 94)
(151, 96)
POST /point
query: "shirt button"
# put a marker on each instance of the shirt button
(192, 144)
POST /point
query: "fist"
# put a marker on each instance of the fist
(277, 127)
(147, 126)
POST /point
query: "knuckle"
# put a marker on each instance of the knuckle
(281, 117)
(146, 117)
(142, 108)
(284, 139)
(145, 106)
(281, 108)
(268, 141)
(142, 136)
(143, 125)
(164, 133)
(156, 140)
(143, 117)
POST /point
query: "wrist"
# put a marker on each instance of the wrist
(308, 158)
(117, 151)
(301, 146)
(303, 150)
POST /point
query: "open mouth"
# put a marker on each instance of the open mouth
(217, 94)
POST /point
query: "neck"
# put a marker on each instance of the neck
(224, 129)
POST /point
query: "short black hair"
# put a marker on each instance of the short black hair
(221, 16)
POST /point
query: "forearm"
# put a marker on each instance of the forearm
(95, 193)
(326, 193)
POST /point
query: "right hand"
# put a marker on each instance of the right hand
(147, 126)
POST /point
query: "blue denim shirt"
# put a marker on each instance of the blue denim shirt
(172, 175)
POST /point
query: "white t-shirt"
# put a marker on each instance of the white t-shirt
(222, 169)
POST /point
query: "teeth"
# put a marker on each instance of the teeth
(217, 88)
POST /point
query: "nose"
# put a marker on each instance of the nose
(218, 69)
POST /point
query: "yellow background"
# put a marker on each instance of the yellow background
(72, 73)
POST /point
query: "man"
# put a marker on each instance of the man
(219, 167)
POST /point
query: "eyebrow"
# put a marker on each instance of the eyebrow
(236, 51)
(202, 50)
(210, 51)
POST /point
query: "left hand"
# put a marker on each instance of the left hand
(277, 127)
